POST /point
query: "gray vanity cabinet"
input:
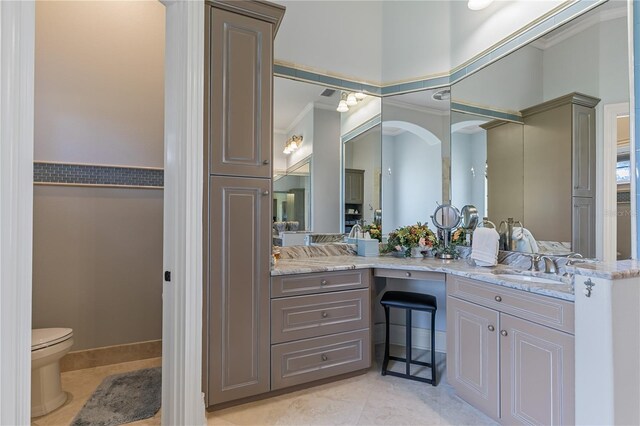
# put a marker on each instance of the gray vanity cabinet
(510, 353)
(240, 94)
(240, 245)
(584, 150)
(237, 201)
(536, 372)
(472, 354)
(584, 224)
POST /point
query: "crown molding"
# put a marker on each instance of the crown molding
(426, 110)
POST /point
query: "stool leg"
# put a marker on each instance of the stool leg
(433, 347)
(385, 361)
(408, 341)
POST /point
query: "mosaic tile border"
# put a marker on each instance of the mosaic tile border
(538, 28)
(96, 175)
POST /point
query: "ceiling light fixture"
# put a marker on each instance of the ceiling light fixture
(478, 4)
(292, 144)
(348, 99)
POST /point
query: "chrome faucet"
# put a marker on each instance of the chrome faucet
(535, 258)
(550, 266)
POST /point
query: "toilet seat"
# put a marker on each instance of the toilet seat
(44, 337)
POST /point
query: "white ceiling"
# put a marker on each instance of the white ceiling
(395, 40)
(291, 97)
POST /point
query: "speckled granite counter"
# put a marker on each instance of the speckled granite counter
(562, 290)
(608, 270)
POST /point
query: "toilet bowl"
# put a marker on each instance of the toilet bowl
(48, 345)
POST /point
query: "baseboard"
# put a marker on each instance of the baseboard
(110, 355)
(420, 337)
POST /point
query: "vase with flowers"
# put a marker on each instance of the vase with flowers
(374, 231)
(414, 240)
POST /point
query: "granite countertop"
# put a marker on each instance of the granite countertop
(619, 270)
(462, 267)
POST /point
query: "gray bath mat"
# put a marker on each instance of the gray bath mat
(123, 398)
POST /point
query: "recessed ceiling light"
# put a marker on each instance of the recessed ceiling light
(478, 4)
(442, 95)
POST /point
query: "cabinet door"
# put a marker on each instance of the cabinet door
(583, 239)
(537, 373)
(240, 95)
(472, 354)
(239, 247)
(584, 151)
(354, 186)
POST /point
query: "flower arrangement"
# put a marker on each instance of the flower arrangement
(407, 237)
(459, 237)
(374, 231)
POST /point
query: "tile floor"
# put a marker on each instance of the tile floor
(369, 399)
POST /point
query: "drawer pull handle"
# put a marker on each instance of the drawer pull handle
(498, 299)
(265, 193)
(504, 333)
(324, 357)
(265, 162)
(491, 328)
(324, 314)
(323, 282)
(408, 274)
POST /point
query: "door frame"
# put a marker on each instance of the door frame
(609, 186)
(182, 397)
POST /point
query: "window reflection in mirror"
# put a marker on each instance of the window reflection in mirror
(415, 147)
(587, 56)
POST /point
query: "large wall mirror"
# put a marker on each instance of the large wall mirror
(528, 138)
(415, 147)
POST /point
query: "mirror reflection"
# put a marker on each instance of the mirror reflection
(415, 146)
(527, 135)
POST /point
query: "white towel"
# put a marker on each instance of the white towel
(525, 242)
(484, 249)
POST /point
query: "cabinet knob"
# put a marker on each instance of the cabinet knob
(265, 162)
(503, 332)
(498, 299)
(323, 282)
(265, 193)
(408, 274)
(324, 314)
(324, 357)
(491, 328)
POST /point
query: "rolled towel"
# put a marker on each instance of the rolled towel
(525, 243)
(484, 249)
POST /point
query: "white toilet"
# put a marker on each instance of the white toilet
(48, 345)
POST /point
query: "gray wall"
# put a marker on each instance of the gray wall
(97, 263)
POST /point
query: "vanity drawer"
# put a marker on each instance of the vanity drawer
(294, 285)
(301, 317)
(549, 311)
(409, 275)
(307, 360)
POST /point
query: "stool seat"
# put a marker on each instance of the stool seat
(407, 300)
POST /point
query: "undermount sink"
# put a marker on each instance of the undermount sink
(528, 279)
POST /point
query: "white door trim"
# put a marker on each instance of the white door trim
(17, 38)
(609, 188)
(182, 397)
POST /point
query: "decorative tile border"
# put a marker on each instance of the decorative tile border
(96, 175)
(543, 25)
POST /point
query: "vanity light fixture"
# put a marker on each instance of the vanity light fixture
(478, 4)
(442, 95)
(342, 105)
(292, 144)
(348, 99)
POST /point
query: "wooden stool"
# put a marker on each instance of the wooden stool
(410, 302)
